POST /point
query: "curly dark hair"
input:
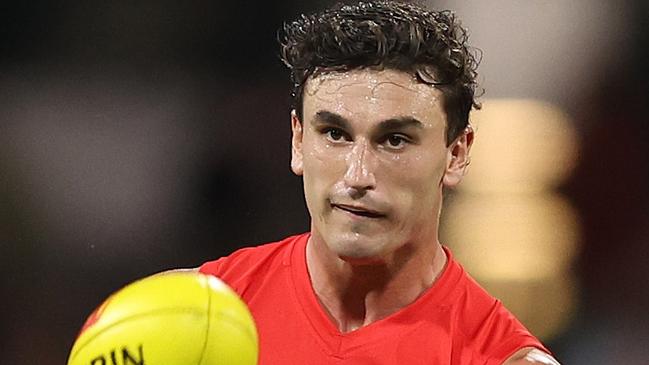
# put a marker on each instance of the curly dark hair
(430, 44)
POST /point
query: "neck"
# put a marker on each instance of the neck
(356, 295)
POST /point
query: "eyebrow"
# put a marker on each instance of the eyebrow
(327, 117)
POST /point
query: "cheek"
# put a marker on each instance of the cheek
(416, 181)
(322, 169)
(416, 203)
(321, 160)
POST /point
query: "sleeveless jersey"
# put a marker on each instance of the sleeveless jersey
(453, 322)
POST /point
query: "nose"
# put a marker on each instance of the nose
(359, 175)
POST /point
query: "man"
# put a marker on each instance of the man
(380, 127)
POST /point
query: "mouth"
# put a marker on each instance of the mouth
(358, 211)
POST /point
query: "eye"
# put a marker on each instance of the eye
(396, 141)
(335, 134)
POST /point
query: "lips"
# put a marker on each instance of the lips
(359, 210)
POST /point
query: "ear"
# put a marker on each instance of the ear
(458, 158)
(296, 145)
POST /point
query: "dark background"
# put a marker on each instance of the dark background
(137, 137)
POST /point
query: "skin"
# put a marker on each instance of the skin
(374, 160)
(373, 155)
(529, 355)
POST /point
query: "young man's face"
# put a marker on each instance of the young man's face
(372, 151)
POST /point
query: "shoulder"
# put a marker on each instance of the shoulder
(476, 309)
(252, 261)
(529, 356)
(489, 328)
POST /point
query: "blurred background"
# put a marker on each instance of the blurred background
(141, 136)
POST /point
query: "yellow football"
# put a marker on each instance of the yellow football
(176, 318)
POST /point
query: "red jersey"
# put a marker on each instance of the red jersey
(453, 322)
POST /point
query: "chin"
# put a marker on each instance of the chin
(363, 260)
(358, 249)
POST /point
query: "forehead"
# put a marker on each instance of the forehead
(373, 94)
